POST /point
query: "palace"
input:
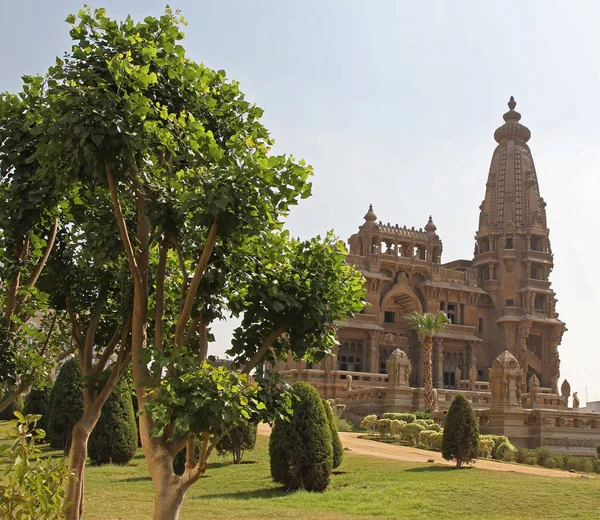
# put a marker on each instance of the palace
(501, 348)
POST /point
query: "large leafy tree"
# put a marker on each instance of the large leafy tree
(426, 326)
(197, 203)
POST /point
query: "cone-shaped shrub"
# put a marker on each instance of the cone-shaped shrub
(338, 449)
(114, 438)
(300, 449)
(237, 441)
(36, 403)
(66, 405)
(8, 413)
(461, 433)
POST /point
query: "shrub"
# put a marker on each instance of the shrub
(336, 443)
(461, 432)
(115, 438)
(425, 437)
(506, 452)
(411, 433)
(522, 454)
(596, 465)
(369, 423)
(498, 439)
(8, 414)
(585, 465)
(598, 451)
(422, 415)
(66, 405)
(424, 422)
(300, 449)
(435, 440)
(237, 441)
(397, 428)
(542, 454)
(384, 427)
(551, 463)
(36, 403)
(406, 417)
(530, 460)
(484, 447)
(433, 427)
(337, 409)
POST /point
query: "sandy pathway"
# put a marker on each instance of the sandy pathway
(378, 449)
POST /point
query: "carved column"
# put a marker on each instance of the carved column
(374, 351)
(521, 349)
(439, 363)
(472, 356)
(508, 332)
(553, 372)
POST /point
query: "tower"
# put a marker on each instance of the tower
(514, 259)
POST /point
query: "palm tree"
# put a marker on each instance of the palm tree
(426, 326)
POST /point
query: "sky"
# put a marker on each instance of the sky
(395, 103)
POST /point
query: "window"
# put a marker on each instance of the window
(510, 303)
(389, 317)
(509, 243)
(537, 244)
(534, 344)
(480, 325)
(540, 302)
(443, 306)
(452, 313)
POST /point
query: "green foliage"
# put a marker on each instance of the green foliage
(406, 417)
(506, 452)
(435, 440)
(37, 402)
(461, 433)
(412, 432)
(237, 441)
(369, 423)
(498, 440)
(114, 439)
(428, 324)
(543, 454)
(16, 406)
(337, 409)
(522, 454)
(338, 448)
(485, 446)
(66, 405)
(422, 415)
(397, 428)
(384, 427)
(300, 449)
(31, 486)
(598, 451)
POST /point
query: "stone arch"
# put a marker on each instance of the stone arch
(405, 297)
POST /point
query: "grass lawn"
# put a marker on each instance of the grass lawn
(363, 487)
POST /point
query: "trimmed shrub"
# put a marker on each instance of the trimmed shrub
(424, 422)
(8, 414)
(36, 403)
(598, 451)
(115, 437)
(542, 454)
(551, 463)
(336, 443)
(397, 428)
(585, 465)
(369, 423)
(523, 453)
(530, 460)
(412, 432)
(66, 405)
(435, 440)
(384, 427)
(433, 427)
(596, 465)
(300, 449)
(485, 446)
(406, 417)
(237, 441)
(498, 440)
(461, 432)
(506, 452)
(422, 415)
(425, 437)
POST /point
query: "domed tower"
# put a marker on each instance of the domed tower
(514, 259)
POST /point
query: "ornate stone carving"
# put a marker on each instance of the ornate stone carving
(348, 382)
(575, 401)
(574, 443)
(457, 376)
(534, 388)
(398, 368)
(565, 389)
(505, 381)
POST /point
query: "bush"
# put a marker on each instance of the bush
(406, 417)
(551, 463)
(425, 437)
(237, 441)
(542, 454)
(523, 453)
(397, 428)
(461, 432)
(506, 452)
(337, 409)
(8, 414)
(336, 443)
(530, 460)
(485, 446)
(412, 432)
(369, 423)
(435, 440)
(424, 422)
(596, 465)
(598, 451)
(115, 437)
(433, 427)
(585, 465)
(422, 415)
(384, 427)
(498, 440)
(36, 403)
(300, 449)
(66, 405)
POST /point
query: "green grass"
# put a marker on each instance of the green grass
(363, 487)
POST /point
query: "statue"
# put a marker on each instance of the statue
(473, 376)
(565, 389)
(457, 377)
(534, 388)
(398, 368)
(505, 381)
(349, 382)
(575, 401)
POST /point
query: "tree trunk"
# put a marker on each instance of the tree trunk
(427, 377)
(77, 459)
(5, 403)
(168, 499)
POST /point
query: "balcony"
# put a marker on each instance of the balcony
(533, 283)
(541, 257)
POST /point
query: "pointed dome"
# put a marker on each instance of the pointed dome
(512, 129)
(370, 216)
(430, 227)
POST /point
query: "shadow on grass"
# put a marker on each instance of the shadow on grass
(438, 469)
(245, 495)
(135, 479)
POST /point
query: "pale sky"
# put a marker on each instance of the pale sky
(395, 103)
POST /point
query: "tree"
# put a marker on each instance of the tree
(300, 449)
(338, 448)
(237, 441)
(37, 403)
(114, 438)
(427, 326)
(197, 203)
(66, 405)
(460, 440)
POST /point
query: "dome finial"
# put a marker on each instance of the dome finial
(430, 227)
(370, 216)
(512, 103)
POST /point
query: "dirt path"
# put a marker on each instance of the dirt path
(378, 449)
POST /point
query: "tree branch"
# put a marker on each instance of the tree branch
(184, 315)
(49, 245)
(118, 338)
(160, 297)
(190, 452)
(193, 326)
(11, 300)
(90, 335)
(260, 354)
(75, 327)
(133, 267)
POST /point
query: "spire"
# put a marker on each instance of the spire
(370, 216)
(512, 129)
(430, 227)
